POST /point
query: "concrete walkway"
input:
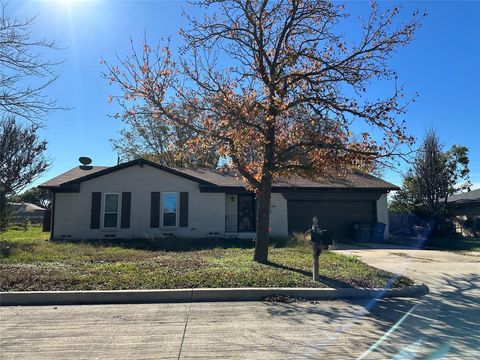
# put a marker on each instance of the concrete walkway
(447, 320)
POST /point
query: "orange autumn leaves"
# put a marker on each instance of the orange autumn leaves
(276, 108)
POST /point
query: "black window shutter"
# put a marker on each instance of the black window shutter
(95, 211)
(126, 204)
(155, 210)
(184, 209)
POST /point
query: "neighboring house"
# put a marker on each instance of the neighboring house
(467, 203)
(465, 208)
(26, 212)
(143, 199)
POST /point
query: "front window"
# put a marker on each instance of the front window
(169, 208)
(110, 211)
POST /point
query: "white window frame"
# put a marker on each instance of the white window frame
(119, 210)
(162, 212)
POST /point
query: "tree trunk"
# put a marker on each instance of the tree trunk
(263, 222)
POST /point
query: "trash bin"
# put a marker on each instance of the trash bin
(362, 231)
(377, 233)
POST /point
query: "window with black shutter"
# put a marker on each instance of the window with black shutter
(95, 210)
(155, 210)
(126, 205)
(183, 209)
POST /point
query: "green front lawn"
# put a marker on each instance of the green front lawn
(29, 262)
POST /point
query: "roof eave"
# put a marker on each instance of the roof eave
(139, 162)
(277, 189)
(68, 188)
(462, 202)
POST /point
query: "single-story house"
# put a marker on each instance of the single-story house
(465, 210)
(140, 199)
(26, 212)
(467, 203)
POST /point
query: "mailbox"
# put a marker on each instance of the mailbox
(321, 237)
(320, 240)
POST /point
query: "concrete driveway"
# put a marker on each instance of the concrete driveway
(448, 318)
(445, 321)
(431, 267)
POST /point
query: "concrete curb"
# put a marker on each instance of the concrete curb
(27, 298)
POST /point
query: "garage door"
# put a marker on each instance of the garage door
(335, 216)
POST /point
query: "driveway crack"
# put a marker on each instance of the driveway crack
(184, 331)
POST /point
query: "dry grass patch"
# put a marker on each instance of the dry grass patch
(29, 262)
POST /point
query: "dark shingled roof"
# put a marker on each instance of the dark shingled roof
(354, 180)
(467, 197)
(214, 178)
(72, 174)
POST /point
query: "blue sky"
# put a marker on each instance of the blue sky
(442, 64)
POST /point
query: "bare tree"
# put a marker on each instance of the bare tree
(21, 66)
(22, 159)
(164, 143)
(282, 101)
